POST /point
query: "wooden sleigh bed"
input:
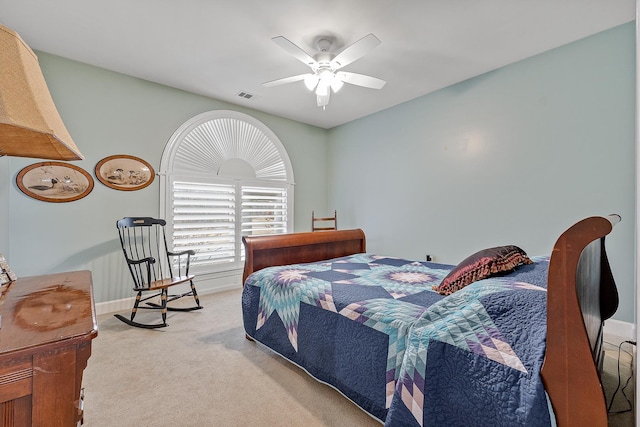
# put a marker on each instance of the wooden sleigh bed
(579, 294)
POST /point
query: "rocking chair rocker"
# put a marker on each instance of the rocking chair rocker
(152, 267)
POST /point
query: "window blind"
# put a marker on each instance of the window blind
(204, 219)
(264, 211)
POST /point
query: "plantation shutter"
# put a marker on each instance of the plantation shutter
(204, 219)
(264, 211)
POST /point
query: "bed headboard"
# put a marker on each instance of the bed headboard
(273, 250)
(581, 296)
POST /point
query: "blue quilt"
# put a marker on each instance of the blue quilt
(372, 327)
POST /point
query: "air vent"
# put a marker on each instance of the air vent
(245, 95)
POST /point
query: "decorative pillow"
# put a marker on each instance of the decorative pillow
(485, 263)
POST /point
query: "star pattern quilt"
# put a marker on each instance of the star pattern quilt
(372, 327)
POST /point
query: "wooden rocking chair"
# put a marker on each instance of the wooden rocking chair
(152, 267)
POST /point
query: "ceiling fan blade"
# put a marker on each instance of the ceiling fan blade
(355, 51)
(294, 50)
(285, 80)
(361, 80)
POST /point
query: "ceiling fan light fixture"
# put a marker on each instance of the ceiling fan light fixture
(336, 84)
(323, 101)
(328, 79)
(325, 77)
(311, 81)
(323, 87)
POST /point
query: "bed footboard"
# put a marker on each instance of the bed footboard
(297, 248)
(581, 295)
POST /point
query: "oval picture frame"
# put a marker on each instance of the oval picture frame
(54, 182)
(125, 173)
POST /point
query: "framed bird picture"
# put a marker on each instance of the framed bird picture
(54, 182)
(123, 172)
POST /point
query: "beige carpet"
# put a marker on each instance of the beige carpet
(201, 371)
(620, 415)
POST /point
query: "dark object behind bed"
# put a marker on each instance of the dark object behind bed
(581, 295)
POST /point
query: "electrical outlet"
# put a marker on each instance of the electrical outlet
(429, 257)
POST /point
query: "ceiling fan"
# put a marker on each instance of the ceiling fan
(324, 76)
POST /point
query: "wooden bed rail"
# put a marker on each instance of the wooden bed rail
(273, 250)
(581, 295)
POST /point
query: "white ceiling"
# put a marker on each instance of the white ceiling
(218, 48)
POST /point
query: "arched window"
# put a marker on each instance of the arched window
(224, 175)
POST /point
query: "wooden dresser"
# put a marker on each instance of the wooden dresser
(47, 326)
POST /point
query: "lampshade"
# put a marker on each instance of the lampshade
(30, 125)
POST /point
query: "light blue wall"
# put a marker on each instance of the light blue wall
(109, 113)
(514, 156)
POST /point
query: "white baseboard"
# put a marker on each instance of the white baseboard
(125, 304)
(208, 284)
(622, 330)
